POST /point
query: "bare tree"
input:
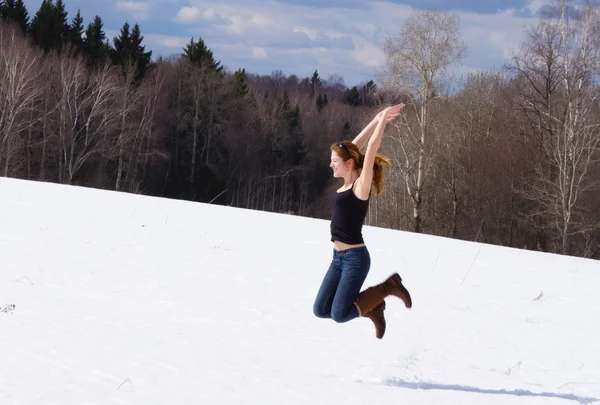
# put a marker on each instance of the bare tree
(204, 91)
(463, 145)
(155, 104)
(19, 90)
(560, 61)
(195, 78)
(128, 125)
(417, 62)
(140, 123)
(84, 111)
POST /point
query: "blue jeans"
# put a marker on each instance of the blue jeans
(341, 284)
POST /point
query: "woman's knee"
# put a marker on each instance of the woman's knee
(340, 314)
(319, 310)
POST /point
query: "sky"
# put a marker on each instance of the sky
(342, 37)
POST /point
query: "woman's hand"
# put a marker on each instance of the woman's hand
(390, 113)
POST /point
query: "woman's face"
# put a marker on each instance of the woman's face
(339, 167)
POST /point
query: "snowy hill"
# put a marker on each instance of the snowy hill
(126, 299)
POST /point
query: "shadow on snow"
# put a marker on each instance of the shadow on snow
(464, 388)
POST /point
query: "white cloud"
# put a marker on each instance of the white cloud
(536, 5)
(188, 14)
(334, 34)
(367, 53)
(258, 52)
(309, 33)
(494, 35)
(209, 14)
(140, 10)
(167, 41)
(261, 20)
(238, 25)
(347, 41)
(368, 30)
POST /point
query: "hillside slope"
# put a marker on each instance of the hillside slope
(126, 299)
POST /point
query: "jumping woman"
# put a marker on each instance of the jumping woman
(339, 296)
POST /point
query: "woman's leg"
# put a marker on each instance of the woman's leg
(355, 265)
(329, 285)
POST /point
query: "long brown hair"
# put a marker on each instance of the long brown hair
(348, 150)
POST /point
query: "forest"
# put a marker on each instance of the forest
(508, 157)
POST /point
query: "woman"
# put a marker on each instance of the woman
(339, 296)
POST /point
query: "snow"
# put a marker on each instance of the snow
(127, 299)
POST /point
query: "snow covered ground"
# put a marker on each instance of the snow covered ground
(112, 298)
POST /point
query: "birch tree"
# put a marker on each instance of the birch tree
(19, 91)
(463, 148)
(84, 111)
(417, 63)
(145, 136)
(127, 127)
(559, 61)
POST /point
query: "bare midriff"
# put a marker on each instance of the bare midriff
(339, 246)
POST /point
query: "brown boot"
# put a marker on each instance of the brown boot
(395, 287)
(372, 296)
(377, 317)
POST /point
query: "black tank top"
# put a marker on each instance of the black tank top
(347, 217)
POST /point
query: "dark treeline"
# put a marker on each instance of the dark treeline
(508, 158)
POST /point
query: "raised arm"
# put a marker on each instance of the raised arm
(364, 181)
(361, 139)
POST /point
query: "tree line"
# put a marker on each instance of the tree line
(508, 158)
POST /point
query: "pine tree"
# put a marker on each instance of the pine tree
(62, 25)
(49, 27)
(298, 146)
(142, 57)
(346, 130)
(76, 30)
(352, 97)
(322, 101)
(7, 8)
(315, 83)
(42, 26)
(95, 44)
(240, 86)
(199, 54)
(128, 48)
(368, 94)
(15, 11)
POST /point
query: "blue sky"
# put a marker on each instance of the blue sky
(341, 37)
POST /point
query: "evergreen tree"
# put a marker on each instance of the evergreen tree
(346, 130)
(49, 27)
(353, 97)
(240, 86)
(60, 17)
(369, 91)
(15, 11)
(76, 30)
(322, 101)
(199, 54)
(127, 48)
(142, 57)
(241, 91)
(315, 83)
(42, 26)
(95, 44)
(298, 146)
(7, 8)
